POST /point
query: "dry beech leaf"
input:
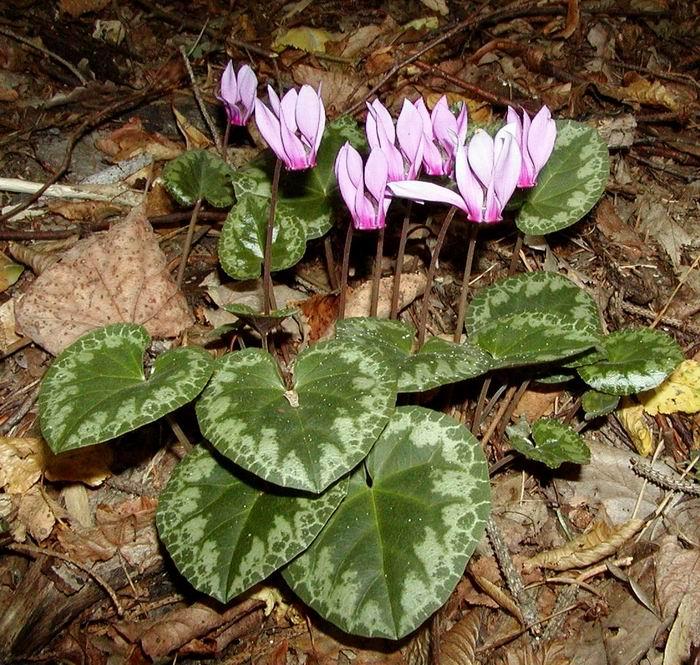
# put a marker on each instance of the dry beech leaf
(459, 643)
(36, 515)
(113, 277)
(132, 139)
(631, 417)
(21, 463)
(499, 595)
(79, 7)
(194, 138)
(679, 392)
(588, 548)
(418, 650)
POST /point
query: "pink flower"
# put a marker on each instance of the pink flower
(238, 93)
(402, 146)
(442, 132)
(536, 140)
(294, 127)
(486, 172)
(363, 189)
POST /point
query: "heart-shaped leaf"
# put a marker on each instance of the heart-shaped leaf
(96, 389)
(438, 362)
(259, 321)
(636, 360)
(533, 318)
(242, 241)
(571, 182)
(197, 174)
(554, 443)
(226, 530)
(310, 434)
(597, 404)
(398, 544)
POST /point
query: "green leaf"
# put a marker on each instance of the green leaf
(396, 547)
(636, 360)
(196, 174)
(259, 321)
(307, 436)
(554, 443)
(242, 241)
(96, 389)
(597, 404)
(226, 531)
(438, 362)
(571, 182)
(533, 318)
(9, 272)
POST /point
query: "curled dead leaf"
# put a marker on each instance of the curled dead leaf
(458, 646)
(600, 542)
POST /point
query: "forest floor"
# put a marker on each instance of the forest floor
(87, 84)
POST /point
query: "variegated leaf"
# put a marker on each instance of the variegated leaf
(97, 389)
(242, 241)
(533, 318)
(437, 363)
(596, 404)
(398, 544)
(571, 182)
(636, 360)
(550, 442)
(226, 531)
(195, 175)
(305, 436)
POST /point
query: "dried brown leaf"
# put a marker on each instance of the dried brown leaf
(588, 548)
(194, 138)
(502, 598)
(459, 643)
(358, 299)
(418, 650)
(132, 139)
(21, 463)
(36, 514)
(79, 7)
(615, 230)
(112, 277)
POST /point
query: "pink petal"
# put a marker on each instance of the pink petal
(376, 171)
(229, 86)
(384, 119)
(274, 100)
(420, 191)
(346, 182)
(288, 110)
(409, 130)
(247, 90)
(462, 124)
(308, 114)
(269, 128)
(541, 138)
(469, 187)
(492, 207)
(444, 125)
(480, 156)
(506, 169)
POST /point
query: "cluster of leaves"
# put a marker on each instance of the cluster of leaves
(370, 510)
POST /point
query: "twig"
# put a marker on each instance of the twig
(331, 267)
(30, 549)
(201, 105)
(499, 415)
(188, 244)
(513, 580)
(179, 433)
(23, 410)
(681, 281)
(664, 480)
(54, 56)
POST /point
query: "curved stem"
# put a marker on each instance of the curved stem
(268, 294)
(473, 232)
(377, 273)
(423, 322)
(344, 271)
(516, 254)
(396, 290)
(224, 144)
(188, 244)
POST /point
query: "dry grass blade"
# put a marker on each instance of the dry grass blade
(458, 646)
(588, 548)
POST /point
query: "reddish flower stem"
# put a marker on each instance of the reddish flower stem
(396, 289)
(432, 269)
(188, 244)
(344, 271)
(473, 232)
(268, 294)
(377, 273)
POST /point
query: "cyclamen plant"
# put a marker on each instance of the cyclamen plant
(370, 511)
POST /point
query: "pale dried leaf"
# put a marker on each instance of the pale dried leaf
(7, 326)
(631, 417)
(439, 6)
(677, 582)
(132, 139)
(112, 277)
(36, 514)
(194, 138)
(358, 299)
(77, 503)
(458, 645)
(679, 392)
(600, 542)
(21, 463)
(641, 90)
